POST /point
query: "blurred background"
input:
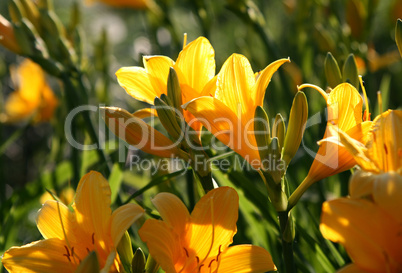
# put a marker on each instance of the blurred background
(35, 156)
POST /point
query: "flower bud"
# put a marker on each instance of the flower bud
(167, 116)
(174, 90)
(138, 262)
(89, 264)
(350, 72)
(296, 126)
(278, 130)
(398, 35)
(332, 71)
(262, 132)
(125, 251)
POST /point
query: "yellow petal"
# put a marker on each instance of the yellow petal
(31, 79)
(55, 220)
(223, 123)
(17, 108)
(139, 134)
(387, 193)
(234, 84)
(214, 222)
(172, 211)
(352, 268)
(122, 218)
(136, 82)
(371, 238)
(162, 243)
(246, 258)
(196, 62)
(361, 184)
(40, 256)
(385, 145)
(345, 106)
(48, 104)
(263, 80)
(157, 68)
(92, 206)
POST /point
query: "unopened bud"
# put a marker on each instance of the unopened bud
(297, 124)
(398, 35)
(167, 116)
(125, 251)
(89, 264)
(31, 11)
(262, 132)
(350, 72)
(174, 90)
(332, 71)
(16, 11)
(138, 262)
(278, 130)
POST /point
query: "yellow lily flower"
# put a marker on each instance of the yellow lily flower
(369, 223)
(7, 37)
(229, 115)
(195, 68)
(380, 159)
(198, 242)
(71, 234)
(345, 108)
(33, 97)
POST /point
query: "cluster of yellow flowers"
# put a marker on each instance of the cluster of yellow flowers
(188, 95)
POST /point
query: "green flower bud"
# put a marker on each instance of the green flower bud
(350, 72)
(138, 262)
(174, 90)
(297, 124)
(167, 116)
(125, 251)
(262, 132)
(89, 264)
(398, 35)
(332, 71)
(278, 130)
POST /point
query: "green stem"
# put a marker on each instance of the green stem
(287, 247)
(297, 194)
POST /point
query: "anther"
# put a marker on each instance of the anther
(186, 252)
(68, 252)
(68, 257)
(93, 238)
(198, 259)
(210, 263)
(385, 148)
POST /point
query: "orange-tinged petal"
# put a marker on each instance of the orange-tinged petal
(172, 211)
(368, 234)
(196, 62)
(223, 123)
(246, 258)
(387, 193)
(48, 104)
(162, 243)
(41, 256)
(92, 205)
(157, 68)
(145, 113)
(235, 81)
(214, 222)
(263, 80)
(137, 83)
(55, 220)
(17, 108)
(345, 106)
(139, 134)
(122, 218)
(352, 268)
(7, 37)
(361, 184)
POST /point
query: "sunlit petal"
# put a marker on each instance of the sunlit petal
(352, 268)
(137, 84)
(246, 258)
(172, 211)
(40, 256)
(122, 218)
(213, 224)
(196, 62)
(157, 68)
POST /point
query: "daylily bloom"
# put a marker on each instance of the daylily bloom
(344, 105)
(32, 98)
(195, 68)
(7, 37)
(71, 234)
(380, 160)
(369, 223)
(198, 242)
(229, 115)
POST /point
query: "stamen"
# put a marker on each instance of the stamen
(198, 259)
(379, 100)
(72, 251)
(93, 238)
(186, 252)
(68, 257)
(68, 252)
(211, 262)
(365, 98)
(185, 40)
(88, 250)
(385, 148)
(219, 253)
